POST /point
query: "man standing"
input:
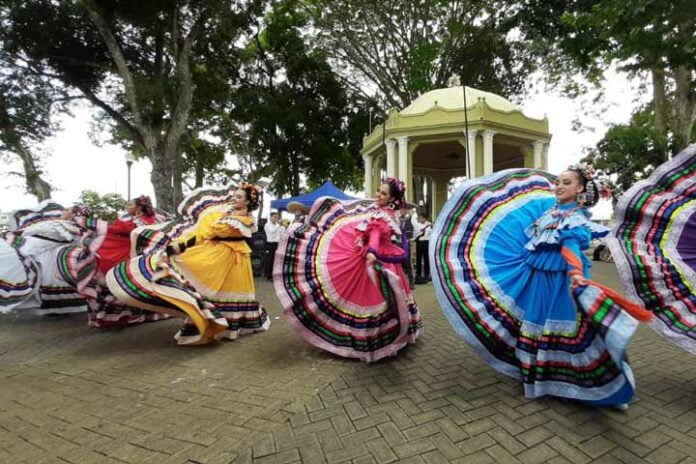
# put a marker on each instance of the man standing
(273, 230)
(422, 238)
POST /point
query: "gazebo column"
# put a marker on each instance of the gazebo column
(410, 194)
(378, 165)
(391, 157)
(545, 158)
(469, 145)
(367, 160)
(439, 195)
(403, 161)
(471, 152)
(488, 151)
(538, 154)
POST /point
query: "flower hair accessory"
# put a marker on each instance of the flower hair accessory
(397, 189)
(586, 170)
(603, 186)
(253, 193)
(145, 204)
(596, 184)
(82, 210)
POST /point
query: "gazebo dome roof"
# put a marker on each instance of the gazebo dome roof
(452, 99)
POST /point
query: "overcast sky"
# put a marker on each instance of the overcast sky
(75, 164)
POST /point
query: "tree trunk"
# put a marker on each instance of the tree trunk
(12, 140)
(659, 100)
(295, 170)
(684, 112)
(162, 149)
(161, 178)
(182, 108)
(200, 173)
(660, 108)
(32, 175)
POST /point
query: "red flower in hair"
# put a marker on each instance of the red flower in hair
(397, 189)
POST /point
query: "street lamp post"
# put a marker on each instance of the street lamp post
(129, 162)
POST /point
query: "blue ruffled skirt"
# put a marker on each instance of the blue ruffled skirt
(515, 306)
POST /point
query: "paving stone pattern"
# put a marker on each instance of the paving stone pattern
(70, 394)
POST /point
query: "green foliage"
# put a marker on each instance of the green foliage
(277, 83)
(297, 118)
(25, 108)
(28, 105)
(104, 207)
(160, 42)
(640, 33)
(630, 152)
(407, 47)
(646, 38)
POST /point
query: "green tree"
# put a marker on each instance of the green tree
(654, 38)
(28, 104)
(205, 160)
(103, 207)
(293, 113)
(143, 64)
(630, 151)
(403, 48)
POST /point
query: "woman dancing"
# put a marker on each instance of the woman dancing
(340, 280)
(205, 275)
(510, 274)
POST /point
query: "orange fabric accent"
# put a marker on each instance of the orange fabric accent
(573, 260)
(634, 309)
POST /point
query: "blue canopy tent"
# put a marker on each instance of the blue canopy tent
(326, 190)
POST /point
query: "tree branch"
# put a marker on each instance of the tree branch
(185, 87)
(118, 117)
(89, 64)
(146, 137)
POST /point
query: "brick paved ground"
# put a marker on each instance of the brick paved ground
(78, 395)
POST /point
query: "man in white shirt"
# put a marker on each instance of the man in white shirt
(273, 230)
(421, 235)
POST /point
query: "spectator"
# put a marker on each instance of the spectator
(274, 230)
(421, 235)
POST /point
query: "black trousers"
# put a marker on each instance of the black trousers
(271, 248)
(422, 261)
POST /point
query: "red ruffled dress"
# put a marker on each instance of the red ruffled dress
(86, 269)
(333, 295)
(117, 244)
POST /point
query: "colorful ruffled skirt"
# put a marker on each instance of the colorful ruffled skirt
(54, 295)
(81, 266)
(333, 297)
(151, 283)
(209, 285)
(18, 279)
(515, 307)
(654, 247)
